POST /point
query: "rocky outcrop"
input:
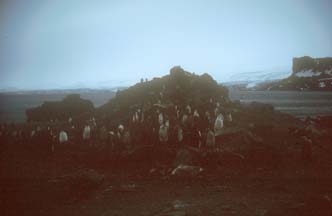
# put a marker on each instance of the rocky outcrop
(180, 88)
(309, 74)
(70, 107)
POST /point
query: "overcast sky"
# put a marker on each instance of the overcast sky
(68, 43)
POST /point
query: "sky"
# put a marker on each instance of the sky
(47, 44)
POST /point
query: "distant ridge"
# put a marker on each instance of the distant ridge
(59, 91)
(252, 79)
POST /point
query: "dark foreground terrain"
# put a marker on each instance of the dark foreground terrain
(265, 174)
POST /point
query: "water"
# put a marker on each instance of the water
(299, 104)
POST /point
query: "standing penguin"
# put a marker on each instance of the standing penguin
(63, 137)
(86, 132)
(219, 124)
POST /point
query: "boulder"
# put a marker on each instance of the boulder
(183, 156)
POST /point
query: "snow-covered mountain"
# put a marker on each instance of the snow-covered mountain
(251, 79)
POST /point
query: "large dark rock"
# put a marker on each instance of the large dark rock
(71, 106)
(76, 185)
(183, 157)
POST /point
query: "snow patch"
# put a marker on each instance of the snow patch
(251, 85)
(328, 72)
(322, 85)
(307, 73)
(324, 79)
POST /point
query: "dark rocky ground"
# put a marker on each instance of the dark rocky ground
(272, 178)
